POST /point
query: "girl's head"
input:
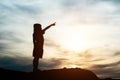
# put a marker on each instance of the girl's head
(37, 27)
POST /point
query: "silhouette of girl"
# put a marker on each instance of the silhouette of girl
(38, 41)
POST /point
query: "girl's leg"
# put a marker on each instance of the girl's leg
(35, 64)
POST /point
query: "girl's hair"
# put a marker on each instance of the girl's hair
(37, 28)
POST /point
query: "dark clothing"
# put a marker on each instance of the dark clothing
(38, 41)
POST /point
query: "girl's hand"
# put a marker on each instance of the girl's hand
(53, 24)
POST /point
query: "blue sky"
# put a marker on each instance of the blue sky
(86, 34)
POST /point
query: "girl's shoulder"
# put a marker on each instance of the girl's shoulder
(43, 32)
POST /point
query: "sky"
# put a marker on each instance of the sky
(86, 35)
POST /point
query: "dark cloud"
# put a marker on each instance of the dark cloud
(16, 63)
(52, 63)
(117, 53)
(107, 70)
(10, 59)
(102, 70)
(4, 47)
(87, 55)
(25, 64)
(93, 60)
(108, 65)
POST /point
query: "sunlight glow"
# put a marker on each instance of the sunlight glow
(74, 66)
(76, 38)
(74, 43)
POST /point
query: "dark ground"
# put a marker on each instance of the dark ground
(55, 74)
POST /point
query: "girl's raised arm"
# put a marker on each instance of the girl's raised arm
(49, 26)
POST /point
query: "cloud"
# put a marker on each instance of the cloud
(102, 67)
(7, 39)
(100, 11)
(3, 47)
(16, 63)
(13, 12)
(9, 36)
(52, 63)
(77, 2)
(70, 3)
(50, 43)
(87, 54)
(117, 53)
(107, 70)
(15, 7)
(114, 1)
(27, 9)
